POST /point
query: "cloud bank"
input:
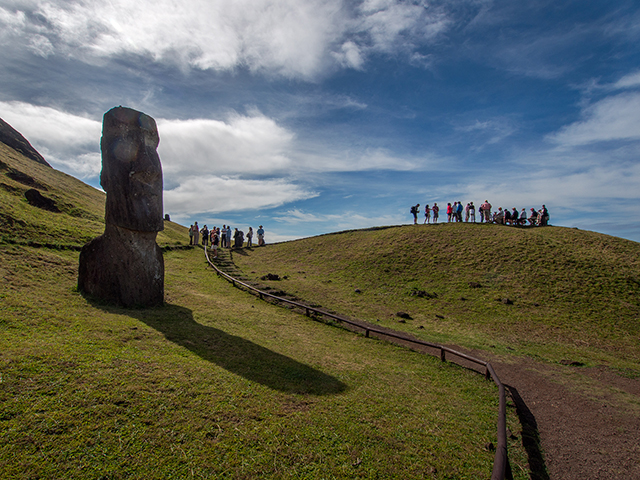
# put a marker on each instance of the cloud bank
(289, 38)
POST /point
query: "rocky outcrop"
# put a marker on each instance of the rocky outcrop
(14, 139)
(124, 265)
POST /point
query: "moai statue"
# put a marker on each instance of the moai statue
(124, 265)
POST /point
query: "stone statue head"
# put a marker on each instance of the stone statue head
(131, 170)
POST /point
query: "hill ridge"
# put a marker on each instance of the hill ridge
(15, 140)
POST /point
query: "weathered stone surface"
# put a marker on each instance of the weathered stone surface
(131, 171)
(125, 265)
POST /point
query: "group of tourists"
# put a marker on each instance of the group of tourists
(501, 216)
(222, 237)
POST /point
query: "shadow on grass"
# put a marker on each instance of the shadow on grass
(233, 353)
(530, 437)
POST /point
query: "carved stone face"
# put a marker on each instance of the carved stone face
(131, 170)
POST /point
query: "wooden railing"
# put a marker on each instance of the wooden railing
(500, 458)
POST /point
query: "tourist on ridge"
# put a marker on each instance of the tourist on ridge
(449, 211)
(191, 235)
(459, 212)
(205, 236)
(215, 241)
(196, 234)
(435, 209)
(238, 238)
(466, 212)
(260, 233)
(507, 217)
(229, 236)
(427, 214)
(545, 216)
(523, 217)
(499, 217)
(486, 211)
(249, 237)
(472, 212)
(223, 236)
(414, 211)
(533, 218)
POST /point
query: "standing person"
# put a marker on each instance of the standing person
(545, 216)
(435, 209)
(205, 236)
(449, 211)
(249, 237)
(196, 234)
(414, 211)
(191, 235)
(466, 212)
(459, 212)
(472, 212)
(215, 240)
(486, 211)
(260, 233)
(223, 236)
(427, 213)
(480, 211)
(229, 236)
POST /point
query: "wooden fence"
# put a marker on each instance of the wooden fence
(500, 458)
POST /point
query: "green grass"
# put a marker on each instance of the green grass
(215, 383)
(218, 384)
(575, 295)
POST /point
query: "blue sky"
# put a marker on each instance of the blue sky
(316, 116)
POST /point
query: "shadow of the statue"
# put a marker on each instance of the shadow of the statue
(233, 353)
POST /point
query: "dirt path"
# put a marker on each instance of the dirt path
(586, 420)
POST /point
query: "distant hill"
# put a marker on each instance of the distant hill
(14, 139)
(41, 204)
(566, 292)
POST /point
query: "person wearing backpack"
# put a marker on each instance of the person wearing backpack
(414, 211)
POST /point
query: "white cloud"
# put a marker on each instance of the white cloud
(213, 194)
(492, 131)
(67, 141)
(349, 56)
(250, 145)
(335, 222)
(631, 80)
(389, 24)
(283, 37)
(613, 118)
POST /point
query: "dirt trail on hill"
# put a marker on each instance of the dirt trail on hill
(588, 426)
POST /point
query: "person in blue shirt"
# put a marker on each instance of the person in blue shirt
(260, 233)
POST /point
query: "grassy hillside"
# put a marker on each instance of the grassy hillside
(81, 207)
(218, 384)
(215, 383)
(552, 293)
